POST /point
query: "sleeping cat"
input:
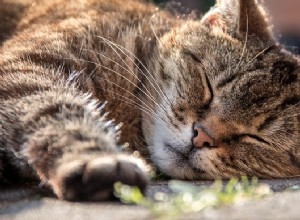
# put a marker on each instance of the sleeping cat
(211, 98)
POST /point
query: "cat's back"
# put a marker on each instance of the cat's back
(39, 20)
(11, 12)
(29, 12)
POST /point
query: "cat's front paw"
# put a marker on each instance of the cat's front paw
(93, 180)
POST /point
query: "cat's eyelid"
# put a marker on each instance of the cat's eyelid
(209, 98)
(209, 91)
(256, 138)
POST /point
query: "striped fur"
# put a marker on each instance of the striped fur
(60, 61)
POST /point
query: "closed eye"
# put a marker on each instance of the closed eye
(257, 138)
(209, 94)
(210, 90)
(208, 97)
(246, 138)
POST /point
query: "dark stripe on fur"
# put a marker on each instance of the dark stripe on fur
(267, 123)
(226, 81)
(18, 90)
(53, 61)
(295, 161)
(288, 103)
(163, 74)
(284, 72)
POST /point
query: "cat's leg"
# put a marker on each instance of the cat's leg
(62, 135)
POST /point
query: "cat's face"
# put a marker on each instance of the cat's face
(229, 104)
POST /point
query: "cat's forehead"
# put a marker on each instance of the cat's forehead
(195, 37)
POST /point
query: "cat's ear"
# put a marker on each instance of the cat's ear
(239, 16)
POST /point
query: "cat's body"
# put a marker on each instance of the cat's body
(202, 99)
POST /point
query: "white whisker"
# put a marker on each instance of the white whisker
(109, 69)
(152, 28)
(289, 108)
(109, 81)
(137, 105)
(121, 48)
(260, 53)
(110, 43)
(130, 71)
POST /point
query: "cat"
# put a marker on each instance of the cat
(214, 97)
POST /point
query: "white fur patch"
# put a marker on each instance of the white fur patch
(169, 144)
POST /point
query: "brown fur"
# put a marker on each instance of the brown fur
(161, 75)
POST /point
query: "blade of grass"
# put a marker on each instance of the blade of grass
(187, 198)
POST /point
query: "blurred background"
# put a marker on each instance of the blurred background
(202, 5)
(285, 15)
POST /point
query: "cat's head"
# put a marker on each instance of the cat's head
(227, 98)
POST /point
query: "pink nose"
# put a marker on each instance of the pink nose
(201, 138)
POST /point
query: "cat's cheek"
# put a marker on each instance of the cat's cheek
(163, 158)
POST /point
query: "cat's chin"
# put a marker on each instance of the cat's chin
(178, 165)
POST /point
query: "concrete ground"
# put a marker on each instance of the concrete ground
(30, 203)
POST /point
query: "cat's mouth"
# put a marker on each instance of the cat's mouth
(184, 152)
(185, 156)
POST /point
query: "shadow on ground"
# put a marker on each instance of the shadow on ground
(26, 203)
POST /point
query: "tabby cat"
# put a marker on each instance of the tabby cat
(215, 97)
